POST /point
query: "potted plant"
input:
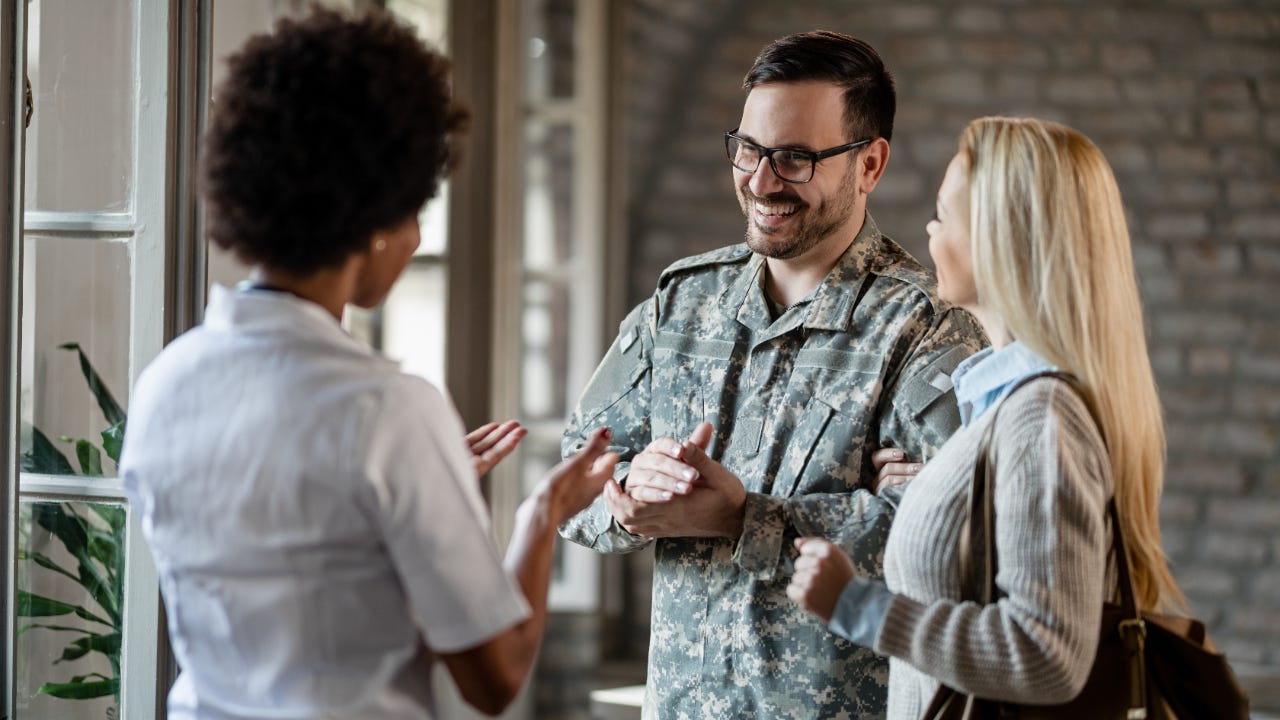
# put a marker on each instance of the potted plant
(93, 537)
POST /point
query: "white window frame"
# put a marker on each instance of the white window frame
(166, 265)
(587, 112)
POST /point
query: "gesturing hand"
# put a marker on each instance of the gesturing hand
(573, 484)
(822, 571)
(492, 442)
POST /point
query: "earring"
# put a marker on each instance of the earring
(380, 245)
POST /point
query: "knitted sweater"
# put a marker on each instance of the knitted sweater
(1037, 643)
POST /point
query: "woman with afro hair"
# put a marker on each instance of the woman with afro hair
(315, 513)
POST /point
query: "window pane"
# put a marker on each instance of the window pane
(548, 196)
(413, 321)
(75, 291)
(429, 18)
(80, 60)
(552, 51)
(70, 578)
(544, 362)
(433, 224)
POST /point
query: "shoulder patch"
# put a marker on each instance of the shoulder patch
(721, 256)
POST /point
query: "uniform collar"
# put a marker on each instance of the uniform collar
(830, 305)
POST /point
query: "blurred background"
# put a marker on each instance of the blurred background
(594, 160)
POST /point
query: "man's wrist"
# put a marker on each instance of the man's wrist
(732, 523)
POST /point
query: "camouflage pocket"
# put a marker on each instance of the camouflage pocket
(686, 371)
(828, 451)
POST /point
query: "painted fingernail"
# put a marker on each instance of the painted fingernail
(666, 495)
(682, 487)
(689, 474)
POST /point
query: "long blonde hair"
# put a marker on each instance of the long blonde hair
(1051, 257)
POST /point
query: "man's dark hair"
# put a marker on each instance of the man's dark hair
(869, 97)
(325, 131)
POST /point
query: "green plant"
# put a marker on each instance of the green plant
(93, 535)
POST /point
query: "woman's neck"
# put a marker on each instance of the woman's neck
(330, 288)
(992, 324)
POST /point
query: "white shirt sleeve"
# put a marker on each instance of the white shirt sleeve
(434, 520)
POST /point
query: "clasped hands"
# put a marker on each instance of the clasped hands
(674, 489)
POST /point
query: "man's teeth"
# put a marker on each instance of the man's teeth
(776, 209)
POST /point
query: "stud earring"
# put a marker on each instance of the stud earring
(380, 245)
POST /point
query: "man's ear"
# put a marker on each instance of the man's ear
(871, 163)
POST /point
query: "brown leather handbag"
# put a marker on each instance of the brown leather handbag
(1148, 665)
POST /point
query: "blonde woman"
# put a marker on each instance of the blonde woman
(1029, 235)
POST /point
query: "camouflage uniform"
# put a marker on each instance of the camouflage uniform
(799, 404)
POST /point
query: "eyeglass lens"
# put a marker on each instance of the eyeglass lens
(793, 165)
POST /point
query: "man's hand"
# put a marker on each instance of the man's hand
(493, 441)
(893, 469)
(660, 502)
(822, 571)
(660, 472)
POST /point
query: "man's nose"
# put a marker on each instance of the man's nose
(764, 180)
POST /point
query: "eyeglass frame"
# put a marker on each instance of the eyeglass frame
(767, 152)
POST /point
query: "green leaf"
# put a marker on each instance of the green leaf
(80, 690)
(104, 547)
(47, 563)
(44, 458)
(73, 530)
(113, 440)
(108, 645)
(86, 615)
(114, 515)
(110, 408)
(32, 605)
(90, 458)
(59, 628)
(63, 523)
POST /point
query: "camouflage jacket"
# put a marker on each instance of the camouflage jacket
(799, 404)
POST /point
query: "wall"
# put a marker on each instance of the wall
(1183, 96)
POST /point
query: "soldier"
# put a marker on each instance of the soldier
(750, 393)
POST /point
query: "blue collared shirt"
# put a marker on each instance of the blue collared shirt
(986, 376)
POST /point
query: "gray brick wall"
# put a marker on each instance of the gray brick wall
(1184, 98)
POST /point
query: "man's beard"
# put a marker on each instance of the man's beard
(815, 226)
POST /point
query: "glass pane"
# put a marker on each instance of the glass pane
(548, 196)
(552, 52)
(429, 17)
(75, 293)
(544, 361)
(413, 321)
(433, 224)
(70, 579)
(80, 61)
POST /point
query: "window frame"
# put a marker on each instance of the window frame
(166, 262)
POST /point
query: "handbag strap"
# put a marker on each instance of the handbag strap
(978, 574)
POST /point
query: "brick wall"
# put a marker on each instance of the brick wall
(1183, 96)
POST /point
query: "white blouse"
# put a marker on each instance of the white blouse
(314, 517)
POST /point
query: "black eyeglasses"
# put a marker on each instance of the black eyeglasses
(790, 164)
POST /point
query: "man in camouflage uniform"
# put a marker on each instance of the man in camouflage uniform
(746, 397)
